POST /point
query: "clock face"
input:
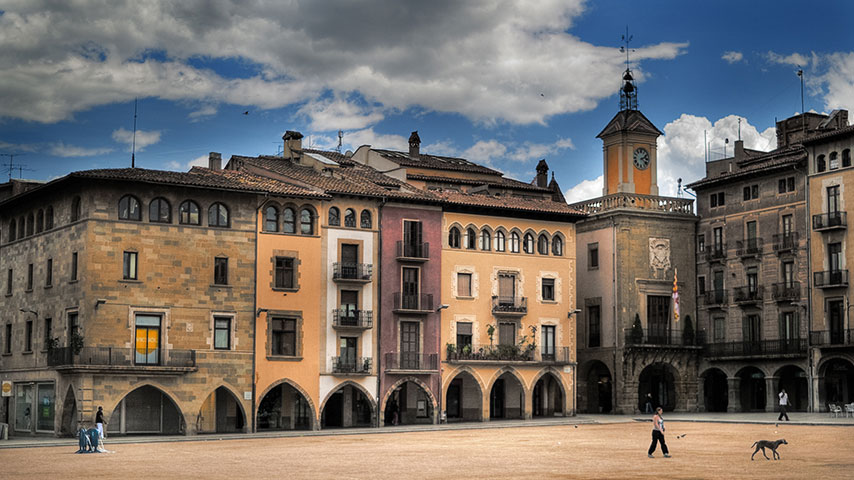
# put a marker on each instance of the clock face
(641, 158)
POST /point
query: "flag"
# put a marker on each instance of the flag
(675, 296)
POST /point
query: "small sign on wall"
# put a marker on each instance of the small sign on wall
(6, 390)
(567, 369)
(247, 395)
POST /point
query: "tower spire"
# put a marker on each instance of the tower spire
(629, 92)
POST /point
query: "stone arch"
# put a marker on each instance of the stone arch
(596, 387)
(554, 371)
(498, 397)
(714, 386)
(752, 394)
(821, 368)
(434, 404)
(660, 380)
(556, 375)
(182, 414)
(459, 370)
(504, 370)
(315, 414)
(793, 379)
(244, 424)
(836, 384)
(371, 400)
(461, 407)
(68, 414)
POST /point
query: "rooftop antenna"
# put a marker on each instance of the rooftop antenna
(803, 112)
(739, 128)
(12, 166)
(629, 93)
(340, 140)
(133, 148)
(705, 146)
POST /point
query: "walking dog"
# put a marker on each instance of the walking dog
(768, 444)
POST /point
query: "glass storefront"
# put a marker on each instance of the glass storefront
(24, 407)
(45, 408)
(35, 407)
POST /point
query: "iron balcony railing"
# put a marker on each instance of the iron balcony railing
(413, 302)
(509, 305)
(716, 252)
(342, 317)
(411, 361)
(785, 241)
(352, 365)
(795, 346)
(749, 247)
(829, 221)
(786, 291)
(352, 271)
(715, 297)
(830, 278)
(832, 337)
(748, 294)
(663, 337)
(507, 353)
(413, 250)
(118, 357)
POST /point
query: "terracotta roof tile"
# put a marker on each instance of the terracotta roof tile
(768, 162)
(435, 162)
(501, 182)
(509, 203)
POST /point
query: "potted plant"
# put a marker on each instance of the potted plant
(466, 350)
(490, 331)
(76, 343)
(688, 331)
(637, 331)
(451, 350)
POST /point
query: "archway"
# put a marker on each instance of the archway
(348, 406)
(547, 398)
(715, 390)
(284, 408)
(599, 388)
(68, 423)
(752, 387)
(507, 397)
(658, 379)
(838, 384)
(464, 399)
(221, 413)
(794, 380)
(146, 410)
(408, 403)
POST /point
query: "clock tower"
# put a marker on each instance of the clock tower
(628, 144)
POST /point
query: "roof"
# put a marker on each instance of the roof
(510, 203)
(629, 120)
(434, 162)
(768, 162)
(500, 182)
(824, 136)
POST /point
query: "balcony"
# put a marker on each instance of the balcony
(829, 338)
(716, 253)
(747, 295)
(352, 366)
(829, 221)
(345, 319)
(411, 362)
(352, 272)
(503, 354)
(831, 279)
(715, 298)
(785, 242)
(759, 348)
(121, 360)
(413, 303)
(662, 337)
(413, 252)
(509, 306)
(782, 292)
(752, 247)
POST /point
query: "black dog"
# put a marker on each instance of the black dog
(769, 444)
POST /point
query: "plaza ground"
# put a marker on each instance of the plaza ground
(602, 447)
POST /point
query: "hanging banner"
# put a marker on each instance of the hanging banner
(675, 296)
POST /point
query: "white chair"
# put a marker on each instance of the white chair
(849, 409)
(834, 409)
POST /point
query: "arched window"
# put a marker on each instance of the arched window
(271, 219)
(454, 237)
(128, 208)
(528, 245)
(500, 241)
(13, 230)
(833, 160)
(557, 246)
(188, 213)
(22, 232)
(514, 242)
(30, 224)
(289, 221)
(306, 221)
(846, 157)
(820, 165)
(334, 216)
(471, 239)
(350, 218)
(218, 215)
(48, 218)
(160, 211)
(76, 209)
(543, 245)
(40, 221)
(485, 240)
(365, 220)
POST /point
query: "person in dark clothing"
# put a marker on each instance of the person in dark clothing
(658, 434)
(784, 405)
(99, 422)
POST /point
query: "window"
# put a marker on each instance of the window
(543, 245)
(48, 274)
(464, 285)
(834, 160)
(789, 326)
(820, 164)
(594, 327)
(500, 241)
(787, 225)
(701, 285)
(548, 289)
(413, 246)
(350, 218)
(222, 333)
(471, 239)
(349, 307)
(48, 332)
(188, 213)
(283, 337)
(160, 211)
(752, 280)
(147, 351)
(833, 199)
(557, 246)
(220, 271)
(716, 200)
(76, 209)
(528, 246)
(72, 326)
(751, 192)
(218, 215)
(48, 218)
(73, 267)
(306, 222)
(30, 224)
(514, 242)
(788, 274)
(846, 157)
(786, 185)
(284, 273)
(593, 256)
(30, 277)
(271, 219)
(410, 283)
(128, 209)
(12, 230)
(365, 219)
(719, 327)
(9, 282)
(548, 339)
(464, 335)
(507, 333)
(752, 244)
(129, 266)
(40, 221)
(454, 237)
(701, 243)
(834, 254)
(334, 216)
(288, 221)
(8, 348)
(28, 336)
(485, 240)
(752, 328)
(718, 238)
(507, 289)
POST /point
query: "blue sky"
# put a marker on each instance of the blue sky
(502, 83)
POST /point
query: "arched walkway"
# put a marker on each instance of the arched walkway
(752, 389)
(409, 402)
(507, 397)
(794, 380)
(68, 423)
(146, 410)
(599, 388)
(348, 406)
(221, 413)
(837, 382)
(548, 396)
(658, 379)
(464, 399)
(285, 407)
(715, 390)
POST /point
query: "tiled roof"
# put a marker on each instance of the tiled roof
(501, 182)
(768, 162)
(631, 120)
(435, 162)
(822, 136)
(506, 203)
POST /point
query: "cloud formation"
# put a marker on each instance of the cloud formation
(61, 149)
(829, 76)
(143, 138)
(732, 57)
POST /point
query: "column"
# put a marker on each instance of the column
(734, 397)
(771, 394)
(701, 394)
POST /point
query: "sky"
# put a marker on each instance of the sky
(502, 83)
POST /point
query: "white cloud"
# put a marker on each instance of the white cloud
(339, 114)
(200, 161)
(366, 136)
(794, 59)
(60, 149)
(732, 57)
(535, 151)
(585, 190)
(17, 147)
(485, 152)
(204, 111)
(837, 82)
(143, 138)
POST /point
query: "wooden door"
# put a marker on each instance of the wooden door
(658, 318)
(410, 345)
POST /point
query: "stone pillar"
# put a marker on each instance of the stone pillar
(701, 394)
(347, 407)
(734, 392)
(771, 394)
(819, 400)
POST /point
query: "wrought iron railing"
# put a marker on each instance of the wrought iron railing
(342, 317)
(786, 291)
(716, 252)
(411, 361)
(352, 271)
(785, 241)
(751, 246)
(413, 302)
(413, 250)
(118, 357)
(822, 221)
(715, 297)
(830, 278)
(352, 365)
(747, 294)
(509, 305)
(663, 337)
(795, 346)
(507, 353)
(832, 337)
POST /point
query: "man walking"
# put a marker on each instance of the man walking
(99, 422)
(784, 403)
(658, 434)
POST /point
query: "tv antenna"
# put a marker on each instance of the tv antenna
(133, 148)
(340, 140)
(12, 165)
(625, 49)
(803, 118)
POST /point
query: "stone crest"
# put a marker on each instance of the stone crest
(659, 256)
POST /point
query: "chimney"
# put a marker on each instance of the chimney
(293, 145)
(215, 161)
(543, 174)
(739, 150)
(414, 145)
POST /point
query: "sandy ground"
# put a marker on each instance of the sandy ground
(708, 450)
